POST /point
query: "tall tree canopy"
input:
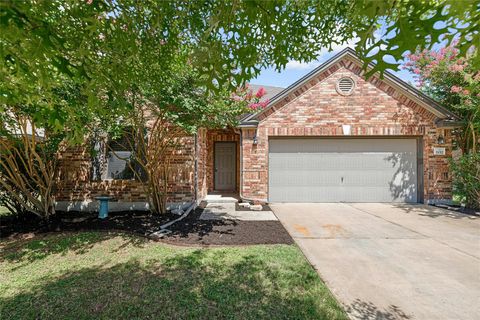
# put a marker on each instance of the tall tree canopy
(106, 48)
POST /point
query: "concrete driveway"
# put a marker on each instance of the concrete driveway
(387, 261)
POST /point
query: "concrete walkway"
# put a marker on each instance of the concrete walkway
(387, 261)
(227, 210)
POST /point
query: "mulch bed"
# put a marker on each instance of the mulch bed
(192, 231)
(459, 209)
(189, 231)
(138, 222)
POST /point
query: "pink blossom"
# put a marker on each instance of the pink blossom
(455, 89)
(254, 106)
(264, 103)
(416, 71)
(261, 92)
(456, 68)
(89, 1)
(466, 92)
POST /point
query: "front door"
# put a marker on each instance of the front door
(225, 160)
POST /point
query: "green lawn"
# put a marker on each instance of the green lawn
(111, 276)
(4, 211)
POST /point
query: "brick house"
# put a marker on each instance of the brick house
(331, 136)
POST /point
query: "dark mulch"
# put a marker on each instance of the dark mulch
(192, 231)
(189, 231)
(459, 209)
(138, 222)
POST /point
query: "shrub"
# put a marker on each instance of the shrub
(466, 179)
(28, 167)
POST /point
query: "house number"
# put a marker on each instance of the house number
(439, 151)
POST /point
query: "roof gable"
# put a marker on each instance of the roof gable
(390, 84)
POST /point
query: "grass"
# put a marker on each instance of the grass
(4, 212)
(112, 276)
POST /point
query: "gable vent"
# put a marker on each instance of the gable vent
(345, 86)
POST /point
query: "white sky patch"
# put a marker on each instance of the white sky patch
(298, 65)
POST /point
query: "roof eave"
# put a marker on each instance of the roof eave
(449, 124)
(248, 124)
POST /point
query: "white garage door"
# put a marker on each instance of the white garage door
(337, 170)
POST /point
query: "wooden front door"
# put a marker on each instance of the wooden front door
(225, 166)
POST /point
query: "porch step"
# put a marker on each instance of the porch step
(218, 198)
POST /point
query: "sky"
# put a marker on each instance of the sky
(294, 70)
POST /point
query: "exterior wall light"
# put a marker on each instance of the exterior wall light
(440, 139)
(255, 137)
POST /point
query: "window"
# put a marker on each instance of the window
(119, 158)
(118, 165)
(345, 86)
(111, 158)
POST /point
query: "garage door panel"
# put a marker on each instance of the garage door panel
(332, 170)
(307, 178)
(305, 194)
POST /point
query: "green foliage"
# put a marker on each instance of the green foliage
(107, 49)
(183, 101)
(412, 25)
(466, 173)
(455, 83)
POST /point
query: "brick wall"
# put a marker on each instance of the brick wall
(317, 109)
(75, 184)
(202, 154)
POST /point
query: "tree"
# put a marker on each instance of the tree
(28, 167)
(96, 43)
(455, 83)
(161, 120)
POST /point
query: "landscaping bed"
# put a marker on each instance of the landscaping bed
(192, 231)
(189, 231)
(459, 209)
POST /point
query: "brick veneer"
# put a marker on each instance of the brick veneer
(75, 184)
(202, 155)
(317, 109)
